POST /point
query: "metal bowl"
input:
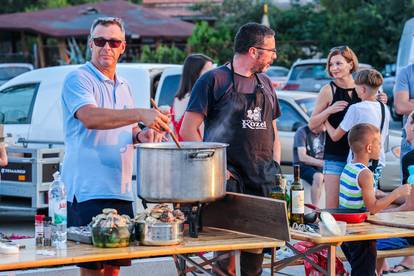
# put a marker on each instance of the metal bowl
(159, 233)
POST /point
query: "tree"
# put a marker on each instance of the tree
(371, 28)
(213, 42)
(162, 54)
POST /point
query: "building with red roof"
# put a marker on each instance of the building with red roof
(49, 35)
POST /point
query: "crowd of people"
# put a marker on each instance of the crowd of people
(351, 114)
(341, 150)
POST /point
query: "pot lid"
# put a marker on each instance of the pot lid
(330, 223)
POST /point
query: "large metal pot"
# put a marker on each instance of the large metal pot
(194, 173)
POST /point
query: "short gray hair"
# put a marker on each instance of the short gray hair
(105, 21)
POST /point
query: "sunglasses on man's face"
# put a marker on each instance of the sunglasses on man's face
(100, 42)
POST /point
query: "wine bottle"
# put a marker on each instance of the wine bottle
(278, 192)
(297, 197)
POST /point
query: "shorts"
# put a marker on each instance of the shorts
(333, 167)
(307, 172)
(80, 214)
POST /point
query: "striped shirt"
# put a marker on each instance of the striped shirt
(350, 194)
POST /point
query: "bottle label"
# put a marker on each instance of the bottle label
(298, 202)
(60, 213)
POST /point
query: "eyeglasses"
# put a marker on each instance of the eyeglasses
(270, 50)
(341, 49)
(101, 42)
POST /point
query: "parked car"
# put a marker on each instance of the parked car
(310, 75)
(297, 107)
(278, 75)
(11, 70)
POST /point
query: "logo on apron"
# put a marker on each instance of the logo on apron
(254, 119)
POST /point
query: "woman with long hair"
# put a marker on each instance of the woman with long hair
(194, 66)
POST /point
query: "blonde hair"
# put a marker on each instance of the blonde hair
(347, 53)
(369, 77)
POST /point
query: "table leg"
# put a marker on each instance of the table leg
(180, 265)
(331, 260)
(273, 261)
(181, 261)
(237, 264)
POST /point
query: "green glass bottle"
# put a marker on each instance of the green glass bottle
(297, 198)
(278, 192)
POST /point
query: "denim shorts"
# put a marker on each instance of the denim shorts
(307, 173)
(333, 167)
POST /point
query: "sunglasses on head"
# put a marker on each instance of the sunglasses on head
(100, 42)
(339, 48)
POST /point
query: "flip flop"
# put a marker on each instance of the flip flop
(404, 268)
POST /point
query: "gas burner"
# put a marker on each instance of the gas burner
(192, 212)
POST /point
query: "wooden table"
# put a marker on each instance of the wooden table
(211, 239)
(396, 219)
(354, 232)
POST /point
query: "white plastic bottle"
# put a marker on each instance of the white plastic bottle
(58, 211)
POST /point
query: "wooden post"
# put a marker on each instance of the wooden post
(41, 50)
(23, 41)
(62, 51)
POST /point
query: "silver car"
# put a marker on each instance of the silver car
(310, 75)
(297, 107)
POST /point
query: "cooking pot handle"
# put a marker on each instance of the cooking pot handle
(201, 155)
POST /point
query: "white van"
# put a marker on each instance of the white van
(30, 110)
(30, 107)
(406, 47)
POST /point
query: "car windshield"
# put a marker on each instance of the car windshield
(169, 89)
(307, 104)
(309, 71)
(16, 103)
(273, 72)
(7, 73)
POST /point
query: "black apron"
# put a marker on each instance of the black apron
(250, 151)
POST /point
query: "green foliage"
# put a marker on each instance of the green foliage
(162, 54)
(213, 42)
(371, 28)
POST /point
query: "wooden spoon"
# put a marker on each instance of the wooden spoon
(154, 104)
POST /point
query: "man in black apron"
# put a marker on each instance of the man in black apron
(238, 106)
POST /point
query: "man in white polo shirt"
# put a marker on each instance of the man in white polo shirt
(101, 126)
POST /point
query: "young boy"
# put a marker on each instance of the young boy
(308, 149)
(368, 111)
(356, 191)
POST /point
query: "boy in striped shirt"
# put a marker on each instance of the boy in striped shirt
(356, 191)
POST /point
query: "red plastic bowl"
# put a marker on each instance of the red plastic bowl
(351, 218)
